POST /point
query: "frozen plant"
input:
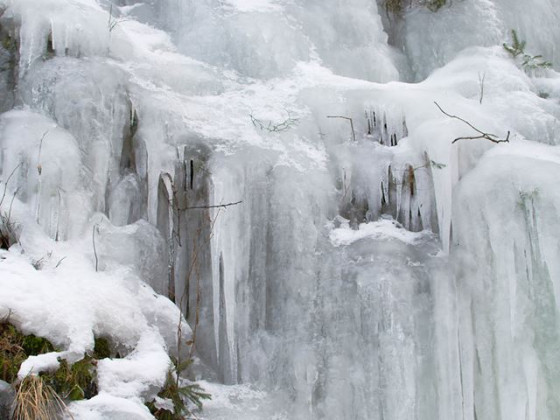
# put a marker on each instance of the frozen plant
(481, 134)
(273, 127)
(529, 62)
(8, 228)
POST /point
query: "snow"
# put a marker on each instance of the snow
(59, 295)
(357, 278)
(106, 406)
(381, 229)
(141, 373)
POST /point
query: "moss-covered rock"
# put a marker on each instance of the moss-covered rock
(75, 382)
(15, 347)
(102, 348)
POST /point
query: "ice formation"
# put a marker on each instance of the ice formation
(279, 173)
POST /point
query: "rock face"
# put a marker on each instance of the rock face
(7, 395)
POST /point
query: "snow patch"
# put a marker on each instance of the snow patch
(380, 229)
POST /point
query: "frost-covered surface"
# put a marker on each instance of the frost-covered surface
(381, 272)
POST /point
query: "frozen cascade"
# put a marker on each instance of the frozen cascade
(266, 166)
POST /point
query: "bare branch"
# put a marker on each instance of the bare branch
(213, 207)
(484, 136)
(346, 118)
(460, 119)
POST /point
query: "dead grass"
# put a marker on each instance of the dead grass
(36, 400)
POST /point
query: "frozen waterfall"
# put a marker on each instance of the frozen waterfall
(280, 171)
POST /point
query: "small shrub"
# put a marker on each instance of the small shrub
(528, 62)
(180, 395)
(517, 48)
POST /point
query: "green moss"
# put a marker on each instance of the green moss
(76, 382)
(394, 6)
(8, 43)
(102, 348)
(33, 345)
(15, 347)
(435, 5)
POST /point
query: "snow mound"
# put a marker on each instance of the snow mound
(380, 229)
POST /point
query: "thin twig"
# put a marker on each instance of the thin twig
(485, 136)
(12, 203)
(346, 118)
(59, 262)
(6, 183)
(222, 206)
(39, 166)
(113, 22)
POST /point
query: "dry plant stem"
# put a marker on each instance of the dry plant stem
(344, 184)
(485, 136)
(113, 22)
(59, 262)
(6, 318)
(346, 118)
(95, 227)
(39, 166)
(481, 78)
(12, 204)
(7, 181)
